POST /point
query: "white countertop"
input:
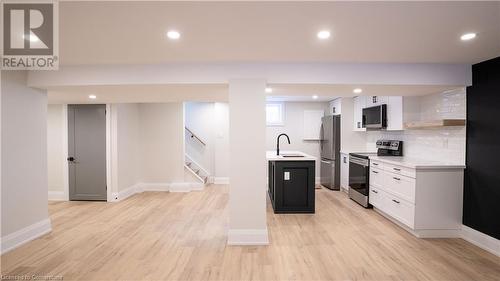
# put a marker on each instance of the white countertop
(271, 156)
(416, 163)
(358, 151)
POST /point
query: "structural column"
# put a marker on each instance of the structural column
(247, 145)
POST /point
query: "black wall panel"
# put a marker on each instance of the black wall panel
(482, 176)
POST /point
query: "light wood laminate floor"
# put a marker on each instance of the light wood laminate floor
(182, 236)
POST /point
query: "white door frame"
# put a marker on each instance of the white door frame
(110, 156)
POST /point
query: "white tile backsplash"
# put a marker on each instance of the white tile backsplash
(443, 144)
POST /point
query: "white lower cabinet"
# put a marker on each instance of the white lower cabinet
(429, 204)
(376, 197)
(401, 186)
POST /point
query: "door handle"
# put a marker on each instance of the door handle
(71, 159)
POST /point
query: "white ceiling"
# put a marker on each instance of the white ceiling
(389, 32)
(219, 92)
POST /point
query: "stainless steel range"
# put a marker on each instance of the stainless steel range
(359, 169)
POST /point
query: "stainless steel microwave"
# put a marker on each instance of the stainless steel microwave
(375, 117)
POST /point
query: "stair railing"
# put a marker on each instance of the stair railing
(193, 135)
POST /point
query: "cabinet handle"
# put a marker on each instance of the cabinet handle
(374, 191)
(375, 164)
(396, 169)
(375, 172)
(398, 179)
(395, 201)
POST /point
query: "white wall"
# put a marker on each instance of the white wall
(128, 146)
(221, 119)
(444, 144)
(294, 120)
(200, 119)
(55, 147)
(210, 121)
(161, 142)
(24, 154)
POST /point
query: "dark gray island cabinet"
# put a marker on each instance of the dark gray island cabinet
(291, 183)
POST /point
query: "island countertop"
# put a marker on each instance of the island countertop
(271, 156)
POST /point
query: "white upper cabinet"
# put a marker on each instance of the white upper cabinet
(394, 104)
(359, 104)
(395, 113)
(335, 106)
(376, 100)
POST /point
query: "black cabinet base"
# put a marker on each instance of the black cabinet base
(291, 187)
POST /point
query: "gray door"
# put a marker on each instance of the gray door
(87, 152)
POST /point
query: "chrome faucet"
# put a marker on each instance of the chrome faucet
(278, 143)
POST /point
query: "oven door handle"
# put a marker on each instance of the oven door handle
(359, 162)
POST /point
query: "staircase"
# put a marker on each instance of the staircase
(196, 170)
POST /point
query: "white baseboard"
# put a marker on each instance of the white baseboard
(221, 180)
(124, 194)
(318, 180)
(22, 236)
(180, 187)
(438, 233)
(210, 179)
(248, 237)
(57, 196)
(166, 187)
(154, 186)
(196, 186)
(481, 240)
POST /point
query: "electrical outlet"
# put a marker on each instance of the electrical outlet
(287, 176)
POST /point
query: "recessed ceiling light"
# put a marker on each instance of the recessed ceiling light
(269, 90)
(357, 91)
(173, 34)
(92, 97)
(323, 34)
(315, 97)
(468, 36)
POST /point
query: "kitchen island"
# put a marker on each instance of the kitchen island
(291, 181)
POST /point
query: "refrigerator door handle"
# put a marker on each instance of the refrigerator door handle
(321, 137)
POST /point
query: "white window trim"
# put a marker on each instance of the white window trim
(277, 124)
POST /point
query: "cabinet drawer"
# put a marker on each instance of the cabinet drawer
(376, 164)
(376, 177)
(400, 210)
(400, 170)
(400, 185)
(376, 198)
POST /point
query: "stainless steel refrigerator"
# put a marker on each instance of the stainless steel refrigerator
(330, 152)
